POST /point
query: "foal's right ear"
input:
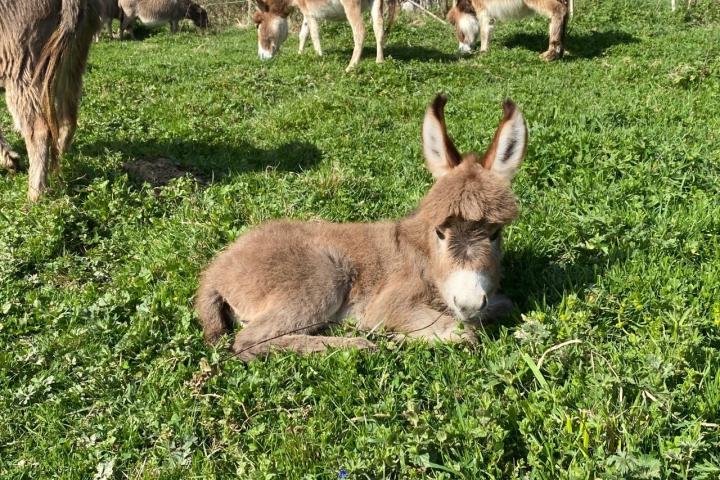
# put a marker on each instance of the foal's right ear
(262, 6)
(441, 156)
(507, 150)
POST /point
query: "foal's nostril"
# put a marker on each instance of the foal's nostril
(483, 302)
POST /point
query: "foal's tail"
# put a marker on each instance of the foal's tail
(212, 311)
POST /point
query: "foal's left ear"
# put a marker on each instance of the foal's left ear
(441, 156)
(508, 148)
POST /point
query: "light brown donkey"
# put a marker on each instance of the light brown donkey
(473, 17)
(272, 25)
(430, 275)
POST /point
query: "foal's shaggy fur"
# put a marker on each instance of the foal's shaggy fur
(421, 276)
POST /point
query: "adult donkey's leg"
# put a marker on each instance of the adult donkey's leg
(315, 35)
(304, 30)
(557, 12)
(378, 28)
(354, 16)
(24, 105)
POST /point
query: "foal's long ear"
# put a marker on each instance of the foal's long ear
(440, 153)
(507, 150)
(262, 6)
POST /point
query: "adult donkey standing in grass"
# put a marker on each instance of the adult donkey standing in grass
(109, 11)
(272, 26)
(418, 276)
(44, 46)
(158, 12)
(473, 17)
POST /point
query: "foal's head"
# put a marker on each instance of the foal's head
(466, 209)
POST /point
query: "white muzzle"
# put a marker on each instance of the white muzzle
(466, 292)
(464, 48)
(264, 54)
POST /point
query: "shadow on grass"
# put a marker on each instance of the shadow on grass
(587, 45)
(142, 32)
(403, 53)
(530, 279)
(210, 162)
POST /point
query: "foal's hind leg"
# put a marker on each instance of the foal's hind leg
(255, 339)
(557, 12)
(307, 293)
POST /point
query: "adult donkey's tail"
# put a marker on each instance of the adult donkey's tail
(391, 14)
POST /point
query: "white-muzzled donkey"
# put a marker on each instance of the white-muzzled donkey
(272, 25)
(431, 275)
(475, 17)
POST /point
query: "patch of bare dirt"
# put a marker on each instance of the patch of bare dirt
(158, 172)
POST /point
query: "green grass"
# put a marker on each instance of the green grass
(102, 366)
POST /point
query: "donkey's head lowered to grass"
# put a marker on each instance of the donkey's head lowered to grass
(420, 276)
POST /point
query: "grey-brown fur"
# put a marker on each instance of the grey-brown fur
(155, 12)
(286, 280)
(109, 11)
(43, 50)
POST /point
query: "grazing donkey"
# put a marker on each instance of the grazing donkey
(419, 276)
(473, 17)
(272, 25)
(44, 46)
(158, 12)
(109, 11)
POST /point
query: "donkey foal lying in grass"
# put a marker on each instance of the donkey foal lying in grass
(422, 276)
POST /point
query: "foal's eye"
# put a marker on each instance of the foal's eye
(495, 235)
(440, 234)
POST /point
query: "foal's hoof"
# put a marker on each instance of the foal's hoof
(244, 355)
(361, 344)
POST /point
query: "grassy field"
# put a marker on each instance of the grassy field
(103, 372)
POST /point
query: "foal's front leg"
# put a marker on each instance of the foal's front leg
(430, 325)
